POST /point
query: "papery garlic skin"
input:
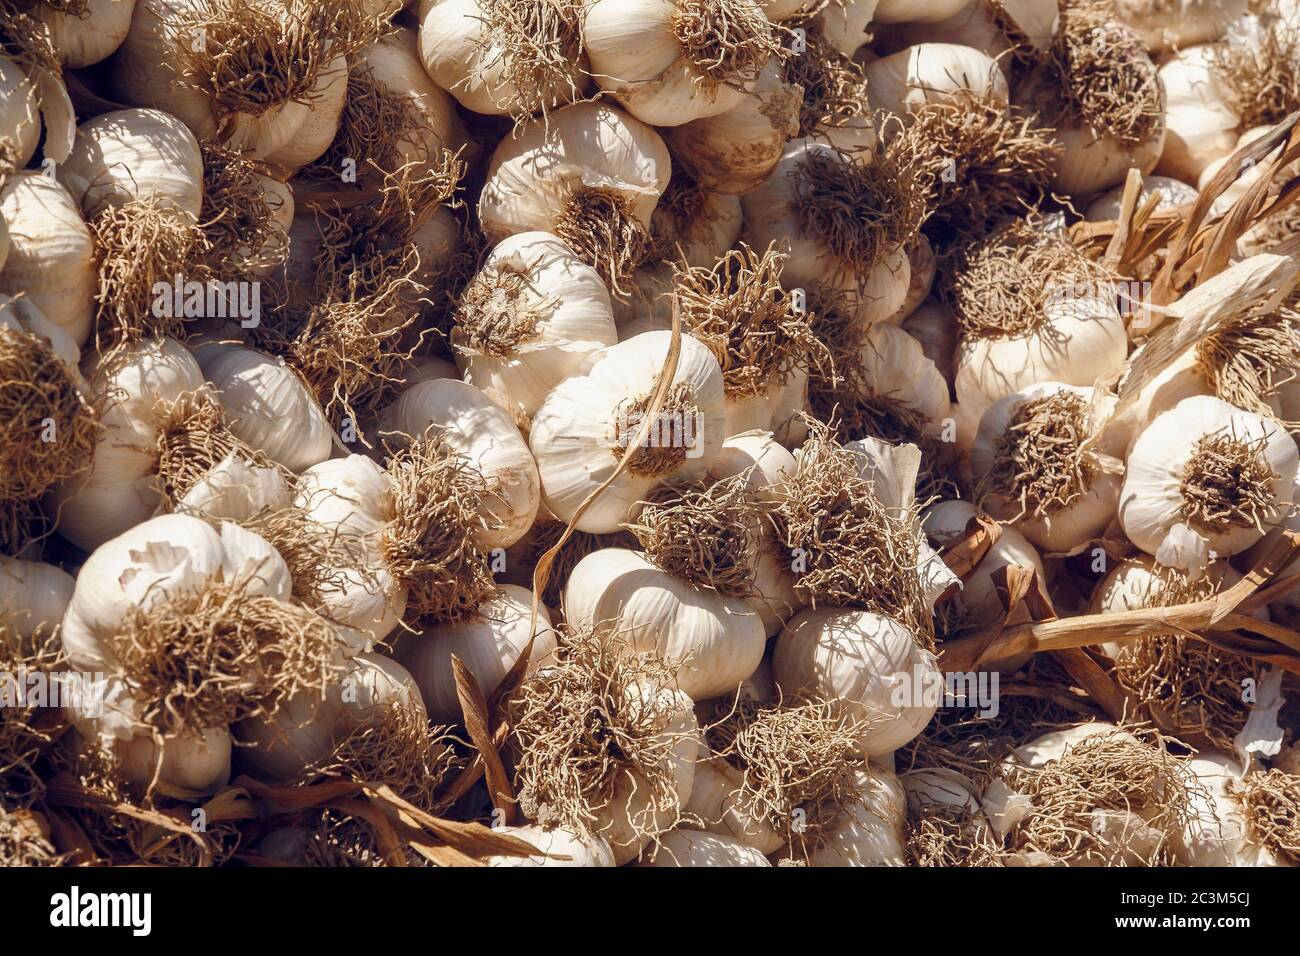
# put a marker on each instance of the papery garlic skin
(717, 800)
(695, 848)
(559, 846)
(33, 596)
(975, 25)
(869, 664)
(582, 429)
(82, 40)
(903, 82)
(1217, 833)
(636, 58)
(268, 406)
(1064, 528)
(488, 644)
(920, 11)
(1151, 500)
(193, 761)
(895, 367)
(535, 173)
(485, 435)
(945, 523)
(394, 62)
(735, 151)
(20, 119)
(119, 490)
(717, 640)
(1082, 337)
(288, 134)
(1181, 24)
(457, 49)
(873, 832)
(51, 259)
(542, 282)
(771, 216)
(1202, 125)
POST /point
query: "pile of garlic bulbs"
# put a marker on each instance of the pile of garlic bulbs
(650, 432)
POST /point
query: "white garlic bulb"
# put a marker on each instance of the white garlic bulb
(872, 832)
(871, 665)
(485, 435)
(51, 259)
(20, 118)
(695, 848)
(1180, 24)
(268, 406)
(934, 73)
(909, 11)
(718, 640)
(1202, 125)
(534, 315)
(488, 643)
(1029, 458)
(33, 596)
(1206, 479)
(89, 36)
(559, 846)
(582, 430)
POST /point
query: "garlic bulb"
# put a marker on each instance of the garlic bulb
(162, 431)
(1016, 26)
(871, 665)
(191, 57)
(718, 640)
(872, 832)
(897, 373)
(1218, 833)
(736, 150)
(668, 62)
(20, 118)
(845, 24)
(517, 57)
(561, 847)
(934, 73)
(1206, 479)
(582, 430)
(1030, 461)
(1061, 324)
(693, 848)
(1181, 24)
(945, 523)
(83, 38)
(1172, 192)
(589, 174)
(485, 436)
(534, 315)
(717, 798)
(267, 404)
(488, 643)
(810, 207)
(51, 258)
(562, 719)
(694, 225)
(1104, 95)
(33, 596)
(944, 804)
(1201, 122)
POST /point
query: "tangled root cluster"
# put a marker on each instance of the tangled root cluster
(1227, 483)
(739, 309)
(1249, 358)
(588, 724)
(500, 309)
(1041, 463)
(1097, 74)
(1270, 802)
(377, 123)
(727, 41)
(860, 210)
(432, 546)
(534, 44)
(857, 552)
(708, 533)
(990, 165)
(256, 56)
(1109, 771)
(1263, 77)
(239, 221)
(671, 437)
(220, 655)
(598, 225)
(25, 731)
(834, 86)
(50, 427)
(948, 834)
(322, 560)
(140, 244)
(999, 287)
(797, 765)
